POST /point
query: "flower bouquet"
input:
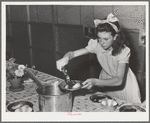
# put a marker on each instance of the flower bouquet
(14, 74)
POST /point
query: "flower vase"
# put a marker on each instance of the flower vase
(16, 84)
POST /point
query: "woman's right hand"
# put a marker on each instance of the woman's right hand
(62, 62)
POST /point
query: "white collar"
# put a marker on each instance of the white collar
(106, 51)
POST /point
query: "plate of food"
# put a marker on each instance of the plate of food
(109, 104)
(131, 108)
(72, 85)
(20, 106)
(99, 97)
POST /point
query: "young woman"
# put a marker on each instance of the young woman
(113, 55)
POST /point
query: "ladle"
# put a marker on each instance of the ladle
(35, 79)
(68, 82)
(67, 78)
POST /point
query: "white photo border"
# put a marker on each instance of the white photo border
(57, 116)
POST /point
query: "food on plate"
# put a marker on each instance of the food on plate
(114, 103)
(77, 85)
(72, 85)
(67, 86)
(25, 108)
(103, 102)
(109, 102)
(16, 106)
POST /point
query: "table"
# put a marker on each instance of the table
(81, 103)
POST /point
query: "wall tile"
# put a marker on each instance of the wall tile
(87, 15)
(7, 29)
(33, 13)
(21, 54)
(71, 38)
(69, 15)
(44, 61)
(18, 13)
(20, 34)
(101, 12)
(24, 12)
(131, 23)
(44, 13)
(130, 16)
(41, 13)
(42, 39)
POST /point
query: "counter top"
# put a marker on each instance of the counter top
(81, 103)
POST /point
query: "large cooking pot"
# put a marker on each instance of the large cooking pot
(52, 99)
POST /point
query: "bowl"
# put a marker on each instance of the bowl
(20, 106)
(98, 97)
(109, 104)
(131, 108)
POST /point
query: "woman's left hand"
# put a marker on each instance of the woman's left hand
(89, 83)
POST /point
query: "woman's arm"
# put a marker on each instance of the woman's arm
(70, 55)
(115, 81)
(76, 53)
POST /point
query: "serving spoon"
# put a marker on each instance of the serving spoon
(35, 79)
(68, 82)
(67, 78)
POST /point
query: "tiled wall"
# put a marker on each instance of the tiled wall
(130, 16)
(40, 13)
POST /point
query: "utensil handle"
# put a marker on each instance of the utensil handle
(33, 76)
(66, 75)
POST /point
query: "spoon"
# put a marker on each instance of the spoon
(67, 78)
(35, 79)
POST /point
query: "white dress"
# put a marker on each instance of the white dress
(109, 63)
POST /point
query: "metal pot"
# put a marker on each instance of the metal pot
(52, 99)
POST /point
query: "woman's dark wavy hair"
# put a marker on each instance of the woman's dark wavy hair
(118, 44)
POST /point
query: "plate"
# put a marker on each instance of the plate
(16, 105)
(63, 84)
(131, 108)
(99, 97)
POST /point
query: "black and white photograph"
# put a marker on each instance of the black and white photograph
(75, 61)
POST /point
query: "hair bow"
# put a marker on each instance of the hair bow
(110, 19)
